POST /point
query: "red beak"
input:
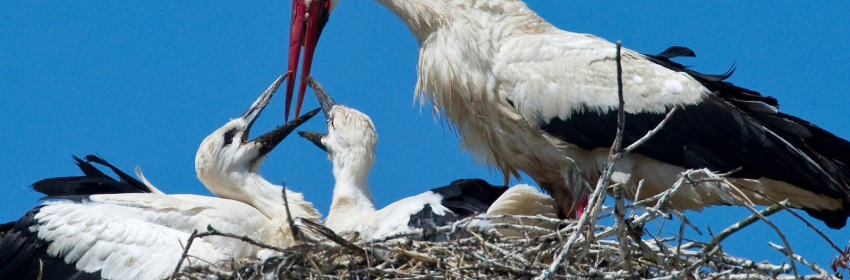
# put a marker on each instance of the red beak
(316, 13)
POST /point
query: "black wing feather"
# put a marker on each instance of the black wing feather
(94, 182)
(87, 168)
(125, 178)
(467, 197)
(464, 198)
(715, 83)
(676, 51)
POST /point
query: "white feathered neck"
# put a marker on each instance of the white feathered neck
(350, 143)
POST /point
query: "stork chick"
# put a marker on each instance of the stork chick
(350, 144)
(133, 235)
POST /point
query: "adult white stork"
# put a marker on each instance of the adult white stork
(350, 144)
(528, 96)
(141, 235)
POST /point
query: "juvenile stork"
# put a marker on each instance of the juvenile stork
(350, 144)
(131, 235)
(527, 96)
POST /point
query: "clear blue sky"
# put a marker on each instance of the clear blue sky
(143, 82)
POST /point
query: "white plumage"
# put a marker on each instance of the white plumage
(142, 235)
(527, 96)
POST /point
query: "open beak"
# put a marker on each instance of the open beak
(314, 137)
(270, 139)
(327, 104)
(274, 137)
(308, 19)
(254, 111)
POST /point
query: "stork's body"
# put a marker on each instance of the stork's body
(351, 142)
(527, 96)
(142, 235)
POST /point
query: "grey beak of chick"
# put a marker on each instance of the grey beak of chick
(324, 99)
(314, 137)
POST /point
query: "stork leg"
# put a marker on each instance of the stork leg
(580, 208)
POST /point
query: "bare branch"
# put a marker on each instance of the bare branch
(652, 132)
(292, 228)
(185, 253)
(621, 227)
(740, 225)
(800, 259)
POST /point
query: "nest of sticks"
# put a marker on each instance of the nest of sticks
(621, 251)
(535, 248)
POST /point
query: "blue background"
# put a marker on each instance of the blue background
(143, 82)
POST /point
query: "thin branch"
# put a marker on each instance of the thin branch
(213, 232)
(778, 232)
(801, 218)
(621, 107)
(292, 228)
(621, 227)
(740, 225)
(800, 259)
(185, 253)
(330, 235)
(652, 132)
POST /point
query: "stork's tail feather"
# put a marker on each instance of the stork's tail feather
(832, 155)
(93, 182)
(834, 219)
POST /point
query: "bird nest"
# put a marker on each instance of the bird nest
(569, 249)
(621, 251)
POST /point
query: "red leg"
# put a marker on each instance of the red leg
(582, 204)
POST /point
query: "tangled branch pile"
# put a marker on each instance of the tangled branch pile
(482, 253)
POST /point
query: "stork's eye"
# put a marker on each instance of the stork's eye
(228, 136)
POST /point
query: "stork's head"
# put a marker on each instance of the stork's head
(351, 138)
(226, 158)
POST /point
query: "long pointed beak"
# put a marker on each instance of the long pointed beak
(254, 111)
(324, 99)
(314, 137)
(308, 19)
(274, 137)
